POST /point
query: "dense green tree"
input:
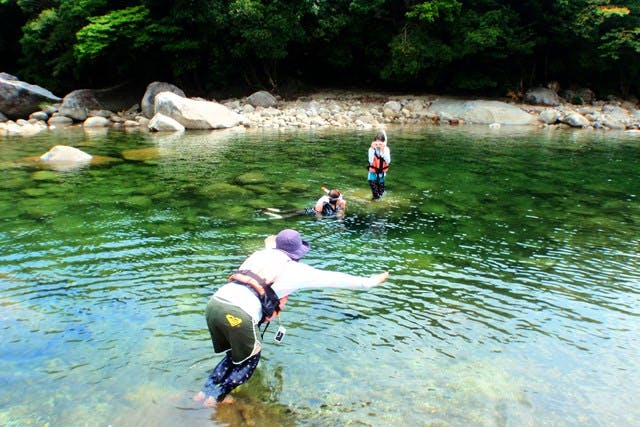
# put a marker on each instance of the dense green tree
(472, 46)
(348, 41)
(614, 32)
(12, 21)
(49, 36)
(467, 45)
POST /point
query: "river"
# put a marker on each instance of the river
(513, 296)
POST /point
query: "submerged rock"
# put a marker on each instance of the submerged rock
(63, 157)
(64, 153)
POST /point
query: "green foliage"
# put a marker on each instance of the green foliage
(49, 36)
(479, 46)
(432, 11)
(118, 27)
(618, 42)
(479, 36)
(264, 29)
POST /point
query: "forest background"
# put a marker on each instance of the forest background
(223, 48)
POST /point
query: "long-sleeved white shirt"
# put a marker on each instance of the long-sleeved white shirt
(289, 276)
(385, 153)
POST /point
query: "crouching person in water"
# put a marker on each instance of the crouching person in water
(331, 204)
(255, 294)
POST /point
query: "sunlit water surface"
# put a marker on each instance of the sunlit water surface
(513, 299)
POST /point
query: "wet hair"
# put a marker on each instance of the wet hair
(334, 195)
(380, 137)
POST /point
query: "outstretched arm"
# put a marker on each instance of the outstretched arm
(302, 276)
(379, 278)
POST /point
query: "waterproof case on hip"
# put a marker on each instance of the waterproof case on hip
(280, 334)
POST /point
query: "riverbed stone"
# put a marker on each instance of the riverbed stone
(18, 99)
(58, 120)
(44, 176)
(163, 123)
(153, 89)
(39, 115)
(541, 96)
(262, 98)
(481, 112)
(341, 110)
(549, 116)
(96, 122)
(576, 120)
(76, 104)
(223, 190)
(196, 114)
(65, 154)
(251, 178)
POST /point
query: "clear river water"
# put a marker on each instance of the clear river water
(513, 297)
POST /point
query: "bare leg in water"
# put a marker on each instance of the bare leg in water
(279, 213)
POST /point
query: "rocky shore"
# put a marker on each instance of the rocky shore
(165, 108)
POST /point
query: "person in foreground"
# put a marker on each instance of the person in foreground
(379, 159)
(255, 294)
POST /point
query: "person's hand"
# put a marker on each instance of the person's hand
(376, 279)
(382, 277)
(270, 242)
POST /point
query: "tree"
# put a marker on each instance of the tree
(12, 21)
(458, 45)
(614, 30)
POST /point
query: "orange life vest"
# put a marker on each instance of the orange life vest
(379, 165)
(262, 289)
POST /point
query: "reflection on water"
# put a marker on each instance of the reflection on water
(512, 300)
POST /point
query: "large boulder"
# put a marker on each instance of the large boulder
(541, 96)
(196, 114)
(18, 99)
(550, 116)
(482, 112)
(78, 104)
(148, 100)
(262, 98)
(576, 120)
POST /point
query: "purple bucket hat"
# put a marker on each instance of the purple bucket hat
(290, 242)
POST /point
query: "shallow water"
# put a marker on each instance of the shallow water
(513, 297)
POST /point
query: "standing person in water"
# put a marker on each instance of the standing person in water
(379, 159)
(255, 294)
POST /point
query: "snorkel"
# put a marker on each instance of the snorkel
(337, 195)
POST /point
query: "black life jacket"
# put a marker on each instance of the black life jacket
(329, 210)
(268, 299)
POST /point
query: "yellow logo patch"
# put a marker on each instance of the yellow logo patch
(233, 320)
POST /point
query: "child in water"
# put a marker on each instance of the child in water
(379, 159)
